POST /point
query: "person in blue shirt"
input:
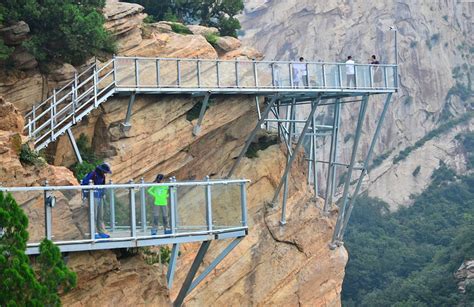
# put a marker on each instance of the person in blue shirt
(98, 178)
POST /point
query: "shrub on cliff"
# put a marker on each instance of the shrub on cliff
(215, 13)
(20, 285)
(63, 30)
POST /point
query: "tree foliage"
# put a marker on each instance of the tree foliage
(19, 284)
(216, 13)
(408, 258)
(62, 30)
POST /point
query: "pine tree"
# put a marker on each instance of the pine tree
(19, 285)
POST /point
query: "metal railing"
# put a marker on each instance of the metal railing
(141, 72)
(67, 215)
(68, 105)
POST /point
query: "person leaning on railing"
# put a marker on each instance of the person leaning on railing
(97, 176)
(160, 196)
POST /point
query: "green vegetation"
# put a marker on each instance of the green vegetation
(30, 157)
(89, 158)
(212, 38)
(379, 159)
(416, 171)
(408, 258)
(21, 284)
(432, 134)
(62, 30)
(215, 13)
(151, 257)
(180, 28)
(433, 40)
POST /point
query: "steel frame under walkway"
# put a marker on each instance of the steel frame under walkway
(195, 216)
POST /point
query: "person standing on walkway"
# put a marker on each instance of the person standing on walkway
(97, 176)
(350, 71)
(376, 71)
(300, 73)
(160, 196)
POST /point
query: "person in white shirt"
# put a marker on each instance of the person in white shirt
(350, 71)
(300, 74)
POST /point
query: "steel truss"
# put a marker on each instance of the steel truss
(283, 110)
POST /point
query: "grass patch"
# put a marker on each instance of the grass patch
(180, 28)
(212, 38)
(30, 157)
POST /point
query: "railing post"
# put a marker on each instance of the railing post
(91, 212)
(237, 81)
(255, 74)
(112, 207)
(95, 87)
(178, 73)
(307, 76)
(371, 76)
(243, 203)
(290, 67)
(53, 107)
(143, 205)
(33, 113)
(29, 127)
(323, 69)
(198, 72)
(48, 225)
(114, 68)
(339, 75)
(158, 72)
(133, 220)
(137, 78)
(272, 65)
(218, 77)
(173, 206)
(385, 76)
(208, 205)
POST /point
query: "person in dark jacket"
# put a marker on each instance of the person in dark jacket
(97, 176)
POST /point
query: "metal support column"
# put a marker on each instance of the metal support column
(295, 153)
(330, 180)
(214, 263)
(252, 135)
(197, 128)
(313, 157)
(74, 145)
(347, 183)
(133, 219)
(173, 210)
(126, 124)
(172, 265)
(48, 224)
(364, 171)
(208, 205)
(112, 207)
(192, 272)
(143, 206)
(91, 212)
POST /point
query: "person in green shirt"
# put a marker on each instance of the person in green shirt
(160, 196)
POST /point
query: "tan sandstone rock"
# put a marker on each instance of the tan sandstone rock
(15, 34)
(228, 43)
(202, 30)
(10, 118)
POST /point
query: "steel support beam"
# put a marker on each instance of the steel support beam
(214, 263)
(197, 128)
(74, 145)
(332, 158)
(126, 124)
(293, 156)
(172, 265)
(252, 135)
(364, 171)
(192, 272)
(313, 156)
(345, 194)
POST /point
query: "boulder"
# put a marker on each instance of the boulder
(16, 33)
(243, 53)
(65, 72)
(228, 43)
(161, 27)
(10, 118)
(23, 59)
(22, 90)
(202, 30)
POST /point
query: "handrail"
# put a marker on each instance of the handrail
(126, 185)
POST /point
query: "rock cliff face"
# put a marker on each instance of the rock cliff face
(273, 265)
(435, 45)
